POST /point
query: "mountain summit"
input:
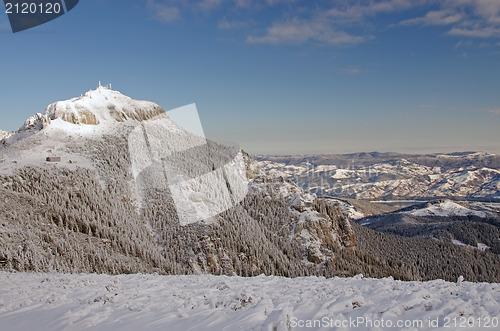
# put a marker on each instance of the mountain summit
(102, 105)
(96, 111)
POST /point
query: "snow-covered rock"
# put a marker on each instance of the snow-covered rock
(101, 105)
(314, 228)
(4, 135)
(347, 209)
(97, 112)
(36, 122)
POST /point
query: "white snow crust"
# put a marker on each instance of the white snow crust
(447, 208)
(4, 135)
(151, 302)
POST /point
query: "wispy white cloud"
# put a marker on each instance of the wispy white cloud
(208, 5)
(358, 10)
(243, 3)
(351, 70)
(278, 2)
(163, 12)
(427, 106)
(488, 9)
(435, 17)
(464, 44)
(297, 31)
(330, 25)
(340, 22)
(168, 11)
(224, 24)
(495, 111)
(476, 32)
(467, 18)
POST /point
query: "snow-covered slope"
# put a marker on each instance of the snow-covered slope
(63, 126)
(151, 302)
(468, 224)
(4, 135)
(447, 208)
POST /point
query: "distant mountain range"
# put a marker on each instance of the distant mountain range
(392, 176)
(453, 198)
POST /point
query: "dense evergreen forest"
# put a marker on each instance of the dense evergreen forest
(54, 219)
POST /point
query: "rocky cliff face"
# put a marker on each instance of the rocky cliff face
(317, 226)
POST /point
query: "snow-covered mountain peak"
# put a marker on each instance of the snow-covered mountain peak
(96, 113)
(102, 105)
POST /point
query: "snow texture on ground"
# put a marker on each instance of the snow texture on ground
(447, 208)
(152, 302)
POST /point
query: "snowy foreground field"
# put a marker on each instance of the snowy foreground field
(151, 302)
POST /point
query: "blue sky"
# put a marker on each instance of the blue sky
(276, 76)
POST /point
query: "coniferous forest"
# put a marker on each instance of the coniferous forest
(90, 220)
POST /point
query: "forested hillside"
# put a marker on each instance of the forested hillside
(72, 201)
